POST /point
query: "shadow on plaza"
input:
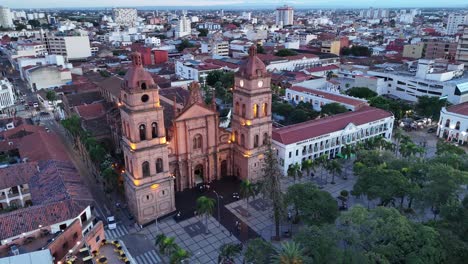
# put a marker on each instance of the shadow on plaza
(228, 191)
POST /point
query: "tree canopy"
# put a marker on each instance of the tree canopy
(285, 53)
(333, 109)
(356, 51)
(361, 92)
(430, 106)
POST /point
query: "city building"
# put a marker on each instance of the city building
(170, 147)
(414, 51)
(74, 47)
(46, 76)
(218, 48)
(318, 98)
(125, 16)
(429, 78)
(284, 15)
(453, 123)
(372, 13)
(439, 49)
(7, 93)
(183, 27)
(327, 136)
(194, 70)
(6, 17)
(454, 21)
(462, 48)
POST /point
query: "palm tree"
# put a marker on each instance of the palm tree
(308, 166)
(227, 253)
(205, 208)
(334, 167)
(290, 253)
(348, 151)
(247, 190)
(166, 244)
(178, 256)
(322, 162)
(294, 171)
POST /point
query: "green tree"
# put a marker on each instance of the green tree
(205, 206)
(34, 23)
(227, 253)
(313, 206)
(73, 125)
(178, 255)
(260, 49)
(290, 253)
(285, 53)
(322, 163)
(308, 166)
(258, 251)
(203, 32)
(294, 171)
(184, 44)
(333, 109)
(247, 190)
(110, 176)
(444, 147)
(166, 244)
(384, 234)
(271, 187)
(361, 92)
(334, 167)
(213, 77)
(430, 106)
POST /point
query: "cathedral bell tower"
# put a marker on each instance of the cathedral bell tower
(251, 123)
(149, 188)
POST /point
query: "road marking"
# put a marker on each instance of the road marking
(150, 257)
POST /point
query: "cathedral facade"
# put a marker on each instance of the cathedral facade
(194, 150)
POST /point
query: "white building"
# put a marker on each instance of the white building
(218, 48)
(284, 16)
(454, 21)
(72, 47)
(453, 123)
(293, 63)
(318, 98)
(194, 70)
(246, 15)
(326, 136)
(183, 27)
(7, 94)
(6, 17)
(462, 48)
(153, 41)
(125, 16)
(429, 79)
(58, 60)
(49, 76)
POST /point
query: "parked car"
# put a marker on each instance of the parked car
(111, 224)
(431, 130)
(35, 104)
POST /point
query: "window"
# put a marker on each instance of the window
(197, 142)
(242, 140)
(126, 162)
(256, 141)
(255, 111)
(154, 130)
(447, 123)
(142, 132)
(243, 110)
(265, 109)
(145, 169)
(290, 153)
(159, 165)
(236, 108)
(265, 138)
(143, 86)
(98, 238)
(297, 152)
(457, 126)
(236, 137)
(63, 226)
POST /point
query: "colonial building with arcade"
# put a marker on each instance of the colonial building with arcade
(171, 147)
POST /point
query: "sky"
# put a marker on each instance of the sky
(233, 3)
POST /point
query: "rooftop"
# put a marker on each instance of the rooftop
(331, 96)
(461, 109)
(17, 174)
(314, 128)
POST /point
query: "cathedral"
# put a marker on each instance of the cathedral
(192, 149)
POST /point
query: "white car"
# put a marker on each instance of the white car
(111, 224)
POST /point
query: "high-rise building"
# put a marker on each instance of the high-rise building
(6, 18)
(72, 47)
(183, 28)
(454, 21)
(462, 49)
(125, 16)
(284, 16)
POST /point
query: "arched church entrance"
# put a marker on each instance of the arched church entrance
(224, 169)
(198, 173)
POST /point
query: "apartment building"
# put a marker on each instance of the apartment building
(76, 47)
(284, 15)
(454, 21)
(7, 93)
(125, 16)
(218, 48)
(462, 48)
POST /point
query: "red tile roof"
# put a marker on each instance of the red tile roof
(461, 109)
(90, 111)
(17, 174)
(42, 146)
(323, 68)
(314, 128)
(331, 96)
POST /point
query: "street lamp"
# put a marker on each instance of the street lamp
(219, 215)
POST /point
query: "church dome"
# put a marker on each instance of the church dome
(254, 67)
(136, 76)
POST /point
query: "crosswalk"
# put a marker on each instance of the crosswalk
(150, 257)
(120, 231)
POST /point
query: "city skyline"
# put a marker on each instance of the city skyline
(235, 4)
